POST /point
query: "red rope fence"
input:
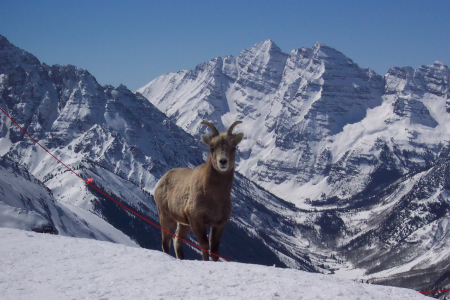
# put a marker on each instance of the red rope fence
(432, 292)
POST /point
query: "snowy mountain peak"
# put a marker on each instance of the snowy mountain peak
(260, 53)
(267, 46)
(432, 78)
(12, 57)
(261, 66)
(331, 55)
(440, 65)
(321, 46)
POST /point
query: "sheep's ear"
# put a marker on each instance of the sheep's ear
(206, 139)
(238, 137)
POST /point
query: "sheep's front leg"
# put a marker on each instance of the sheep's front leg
(199, 231)
(182, 232)
(214, 240)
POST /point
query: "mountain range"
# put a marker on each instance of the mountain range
(341, 170)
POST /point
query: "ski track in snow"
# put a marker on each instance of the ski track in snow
(43, 266)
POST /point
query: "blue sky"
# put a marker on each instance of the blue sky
(133, 42)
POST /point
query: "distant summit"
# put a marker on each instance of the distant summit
(12, 57)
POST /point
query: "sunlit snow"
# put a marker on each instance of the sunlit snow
(42, 266)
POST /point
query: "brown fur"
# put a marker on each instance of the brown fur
(199, 198)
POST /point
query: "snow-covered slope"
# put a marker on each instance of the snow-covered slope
(27, 204)
(37, 266)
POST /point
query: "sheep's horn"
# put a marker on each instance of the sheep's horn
(211, 126)
(230, 130)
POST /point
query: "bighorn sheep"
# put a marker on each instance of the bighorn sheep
(199, 198)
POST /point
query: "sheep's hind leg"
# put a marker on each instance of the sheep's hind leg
(182, 232)
(168, 224)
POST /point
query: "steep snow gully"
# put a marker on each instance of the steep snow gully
(347, 174)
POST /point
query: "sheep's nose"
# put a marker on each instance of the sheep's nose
(223, 161)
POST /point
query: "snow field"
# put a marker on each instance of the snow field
(43, 266)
